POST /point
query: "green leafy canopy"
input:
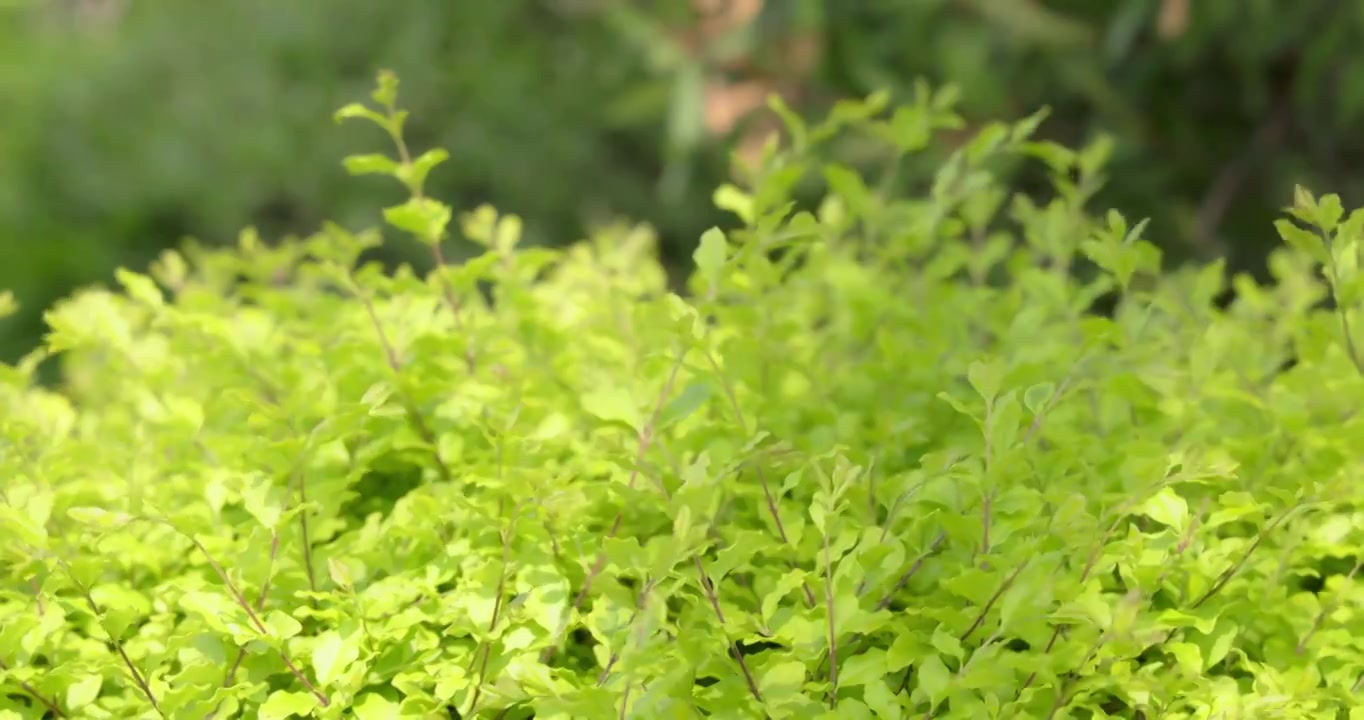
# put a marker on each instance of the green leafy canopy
(885, 460)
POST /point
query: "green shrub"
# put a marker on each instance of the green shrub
(885, 460)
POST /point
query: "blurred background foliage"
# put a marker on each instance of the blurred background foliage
(127, 125)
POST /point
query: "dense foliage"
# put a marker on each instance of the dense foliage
(884, 460)
(129, 124)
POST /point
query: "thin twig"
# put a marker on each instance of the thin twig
(709, 588)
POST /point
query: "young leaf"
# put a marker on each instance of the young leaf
(283, 704)
(374, 706)
(423, 217)
(1168, 508)
(782, 680)
(710, 256)
(1304, 241)
(414, 175)
(986, 377)
(613, 404)
(728, 197)
(934, 679)
(371, 164)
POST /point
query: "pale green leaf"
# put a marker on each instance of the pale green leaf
(356, 110)
(613, 404)
(1305, 241)
(140, 288)
(710, 255)
(83, 691)
(370, 164)
(1188, 658)
(1167, 507)
(879, 698)
(415, 174)
(425, 218)
(282, 625)
(934, 679)
(947, 643)
(863, 669)
(782, 679)
(728, 197)
(284, 704)
(986, 377)
(333, 655)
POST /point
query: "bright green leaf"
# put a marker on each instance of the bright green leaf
(866, 668)
(83, 691)
(1305, 241)
(783, 679)
(284, 704)
(934, 679)
(1168, 508)
(282, 625)
(710, 255)
(613, 404)
(371, 164)
(728, 197)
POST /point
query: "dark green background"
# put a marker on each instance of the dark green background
(118, 138)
